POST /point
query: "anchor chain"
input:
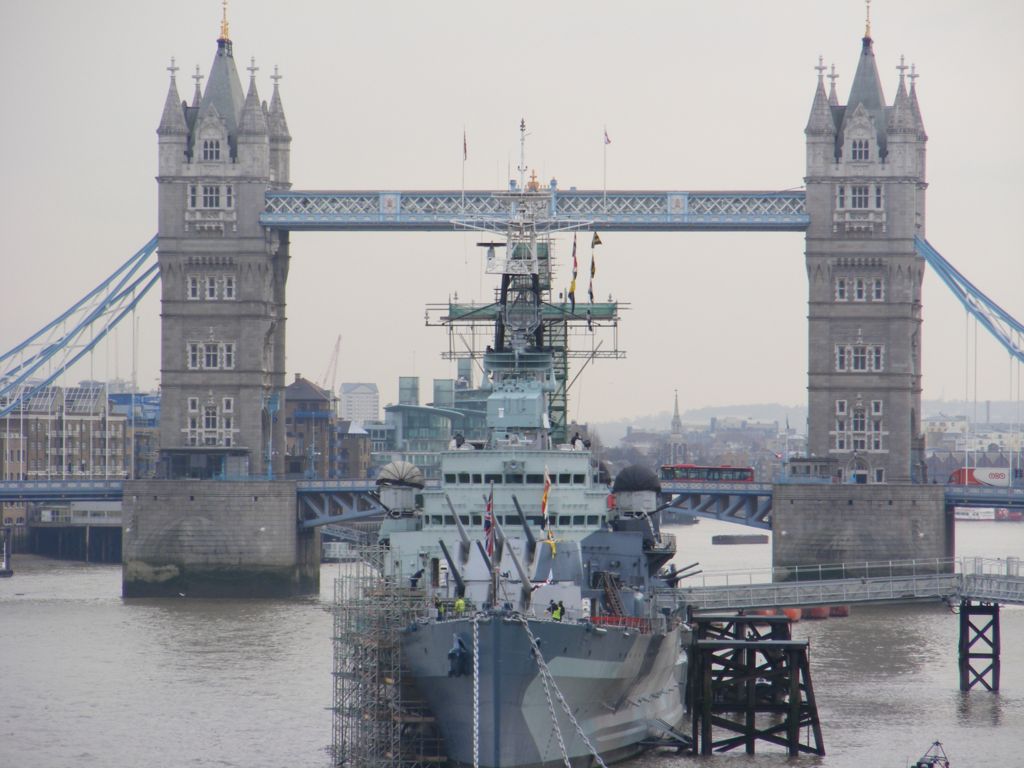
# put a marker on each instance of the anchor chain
(476, 691)
(549, 679)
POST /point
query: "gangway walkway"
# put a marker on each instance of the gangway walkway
(949, 579)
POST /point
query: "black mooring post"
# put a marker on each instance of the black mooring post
(986, 637)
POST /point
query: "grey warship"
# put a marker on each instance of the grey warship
(540, 644)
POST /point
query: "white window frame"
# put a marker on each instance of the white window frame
(193, 405)
(229, 287)
(840, 406)
(211, 288)
(211, 355)
(878, 289)
(228, 405)
(841, 356)
(211, 196)
(227, 355)
(860, 149)
(876, 407)
(879, 475)
(193, 358)
(860, 292)
(860, 196)
(877, 361)
(841, 293)
(859, 357)
(841, 196)
(193, 195)
(192, 288)
(211, 150)
(229, 196)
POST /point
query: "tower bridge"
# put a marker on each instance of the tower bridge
(227, 207)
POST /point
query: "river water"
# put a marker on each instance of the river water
(90, 680)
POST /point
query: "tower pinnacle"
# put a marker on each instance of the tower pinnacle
(867, 21)
(224, 24)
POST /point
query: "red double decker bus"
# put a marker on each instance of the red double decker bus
(692, 473)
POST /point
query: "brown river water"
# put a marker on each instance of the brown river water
(90, 680)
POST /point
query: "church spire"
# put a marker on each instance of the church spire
(677, 423)
(833, 97)
(172, 121)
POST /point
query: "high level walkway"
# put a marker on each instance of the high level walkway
(952, 579)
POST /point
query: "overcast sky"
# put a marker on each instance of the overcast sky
(695, 96)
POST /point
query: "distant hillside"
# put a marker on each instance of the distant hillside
(611, 432)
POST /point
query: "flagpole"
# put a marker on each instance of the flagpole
(604, 176)
(465, 151)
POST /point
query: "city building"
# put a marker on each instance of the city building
(310, 430)
(352, 451)
(360, 401)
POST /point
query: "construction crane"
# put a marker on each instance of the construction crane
(331, 374)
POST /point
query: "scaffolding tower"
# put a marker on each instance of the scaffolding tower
(380, 720)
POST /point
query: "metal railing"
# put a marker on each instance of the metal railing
(996, 579)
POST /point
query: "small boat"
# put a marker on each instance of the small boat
(935, 757)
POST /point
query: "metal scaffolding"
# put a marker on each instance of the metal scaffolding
(380, 721)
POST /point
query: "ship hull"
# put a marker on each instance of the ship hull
(617, 683)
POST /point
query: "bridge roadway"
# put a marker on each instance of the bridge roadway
(953, 579)
(335, 501)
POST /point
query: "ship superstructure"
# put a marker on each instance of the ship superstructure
(528, 636)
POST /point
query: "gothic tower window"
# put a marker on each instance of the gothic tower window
(859, 293)
(840, 289)
(193, 287)
(229, 287)
(877, 289)
(210, 356)
(859, 196)
(840, 196)
(878, 196)
(211, 196)
(860, 357)
(211, 287)
(860, 149)
(229, 196)
(211, 149)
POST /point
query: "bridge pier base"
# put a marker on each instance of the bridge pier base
(209, 538)
(979, 642)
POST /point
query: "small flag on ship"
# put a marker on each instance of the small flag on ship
(488, 523)
(544, 499)
(606, 139)
(595, 240)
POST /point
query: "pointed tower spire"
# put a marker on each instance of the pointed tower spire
(172, 121)
(253, 122)
(278, 124)
(820, 122)
(913, 102)
(197, 96)
(833, 98)
(901, 118)
(866, 91)
(677, 423)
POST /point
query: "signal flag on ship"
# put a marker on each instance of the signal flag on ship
(489, 524)
(544, 499)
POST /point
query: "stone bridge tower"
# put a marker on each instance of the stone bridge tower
(222, 275)
(866, 200)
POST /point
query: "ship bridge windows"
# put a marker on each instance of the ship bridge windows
(449, 478)
(578, 519)
(478, 479)
(513, 479)
(535, 479)
(564, 519)
(478, 520)
(593, 519)
(496, 479)
(513, 520)
(579, 479)
(564, 479)
(463, 477)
